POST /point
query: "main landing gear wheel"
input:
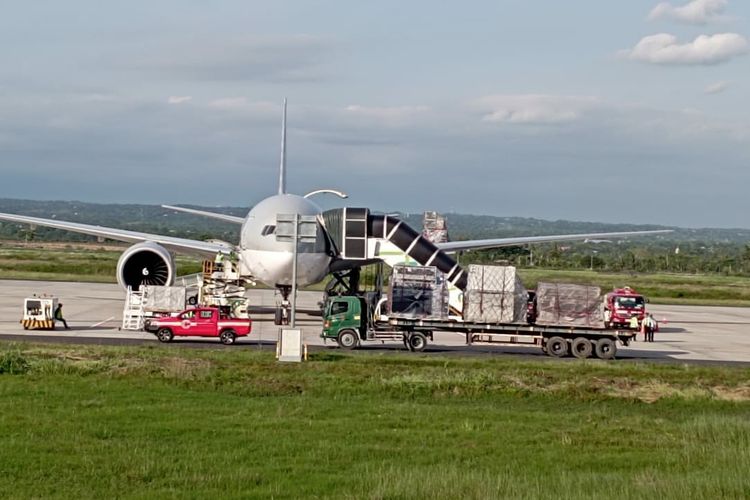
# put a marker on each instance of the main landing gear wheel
(348, 339)
(581, 348)
(557, 347)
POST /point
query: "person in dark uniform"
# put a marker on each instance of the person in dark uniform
(59, 316)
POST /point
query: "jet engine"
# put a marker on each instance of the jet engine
(145, 263)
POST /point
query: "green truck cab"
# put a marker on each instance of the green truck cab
(343, 320)
(350, 320)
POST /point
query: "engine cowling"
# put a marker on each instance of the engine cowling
(146, 263)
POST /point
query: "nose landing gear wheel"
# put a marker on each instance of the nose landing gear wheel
(281, 316)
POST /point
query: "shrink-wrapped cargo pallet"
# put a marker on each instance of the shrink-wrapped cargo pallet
(164, 298)
(494, 294)
(418, 292)
(566, 304)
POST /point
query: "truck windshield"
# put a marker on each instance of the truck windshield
(629, 302)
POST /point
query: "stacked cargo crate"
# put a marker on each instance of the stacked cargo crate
(569, 305)
(418, 292)
(494, 294)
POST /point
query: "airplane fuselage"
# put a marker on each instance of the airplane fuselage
(270, 261)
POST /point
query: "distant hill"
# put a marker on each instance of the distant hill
(154, 219)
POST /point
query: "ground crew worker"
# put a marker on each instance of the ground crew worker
(649, 324)
(633, 323)
(59, 316)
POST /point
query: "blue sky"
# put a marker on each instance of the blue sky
(603, 111)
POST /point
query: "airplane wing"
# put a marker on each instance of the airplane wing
(214, 215)
(180, 245)
(458, 246)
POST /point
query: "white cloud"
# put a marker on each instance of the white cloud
(534, 109)
(716, 88)
(177, 99)
(664, 48)
(693, 12)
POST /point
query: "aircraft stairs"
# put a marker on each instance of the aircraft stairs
(359, 238)
(134, 312)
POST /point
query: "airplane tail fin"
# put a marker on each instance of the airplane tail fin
(282, 166)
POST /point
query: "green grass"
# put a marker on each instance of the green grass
(164, 421)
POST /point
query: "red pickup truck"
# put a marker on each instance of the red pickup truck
(199, 322)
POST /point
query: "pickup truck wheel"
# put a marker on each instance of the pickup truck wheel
(348, 339)
(164, 335)
(228, 337)
(417, 342)
(581, 348)
(557, 347)
(606, 349)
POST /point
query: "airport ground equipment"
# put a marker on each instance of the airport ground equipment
(199, 322)
(39, 313)
(352, 320)
(134, 312)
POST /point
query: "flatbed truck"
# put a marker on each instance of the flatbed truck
(352, 320)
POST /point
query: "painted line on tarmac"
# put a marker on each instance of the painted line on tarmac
(707, 322)
(102, 322)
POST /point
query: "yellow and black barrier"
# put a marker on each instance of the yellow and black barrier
(38, 324)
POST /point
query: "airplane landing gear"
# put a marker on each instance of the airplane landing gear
(284, 309)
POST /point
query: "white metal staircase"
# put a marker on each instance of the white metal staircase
(132, 315)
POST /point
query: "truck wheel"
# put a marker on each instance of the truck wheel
(557, 347)
(348, 339)
(228, 337)
(417, 342)
(606, 349)
(164, 335)
(581, 348)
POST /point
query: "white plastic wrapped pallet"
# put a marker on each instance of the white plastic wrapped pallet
(565, 304)
(164, 298)
(494, 294)
(417, 292)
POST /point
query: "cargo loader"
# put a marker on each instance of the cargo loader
(494, 312)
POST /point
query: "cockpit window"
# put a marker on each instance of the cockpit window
(269, 229)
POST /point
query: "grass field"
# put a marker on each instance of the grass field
(99, 422)
(96, 263)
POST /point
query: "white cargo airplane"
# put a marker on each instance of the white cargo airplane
(261, 257)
